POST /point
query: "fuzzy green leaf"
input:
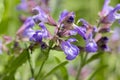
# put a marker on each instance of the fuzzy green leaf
(63, 70)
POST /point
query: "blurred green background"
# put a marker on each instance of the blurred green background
(87, 9)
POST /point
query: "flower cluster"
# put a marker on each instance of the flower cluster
(66, 29)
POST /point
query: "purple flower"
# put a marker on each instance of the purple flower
(41, 16)
(109, 13)
(28, 32)
(63, 15)
(102, 44)
(40, 34)
(29, 23)
(91, 45)
(104, 47)
(72, 32)
(44, 31)
(33, 35)
(69, 49)
(27, 28)
(37, 36)
(67, 17)
(27, 5)
(23, 5)
(81, 31)
(65, 24)
(104, 40)
(116, 34)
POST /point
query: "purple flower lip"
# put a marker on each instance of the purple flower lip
(66, 16)
(41, 15)
(45, 33)
(26, 28)
(29, 32)
(37, 37)
(109, 14)
(91, 46)
(63, 15)
(29, 22)
(116, 34)
(69, 49)
(81, 31)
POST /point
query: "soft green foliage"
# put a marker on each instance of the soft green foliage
(1, 9)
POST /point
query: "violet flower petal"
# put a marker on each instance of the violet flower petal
(91, 46)
(29, 23)
(23, 5)
(69, 49)
(63, 15)
(41, 15)
(81, 31)
(28, 32)
(45, 33)
(37, 37)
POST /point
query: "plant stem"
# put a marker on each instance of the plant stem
(40, 69)
(82, 64)
(98, 25)
(43, 63)
(31, 68)
(79, 71)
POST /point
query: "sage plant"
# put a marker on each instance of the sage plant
(67, 32)
(67, 36)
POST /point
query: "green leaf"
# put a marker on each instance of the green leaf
(1, 9)
(55, 68)
(63, 70)
(94, 57)
(15, 63)
(80, 42)
(101, 68)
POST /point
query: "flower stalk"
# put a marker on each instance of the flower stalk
(82, 63)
